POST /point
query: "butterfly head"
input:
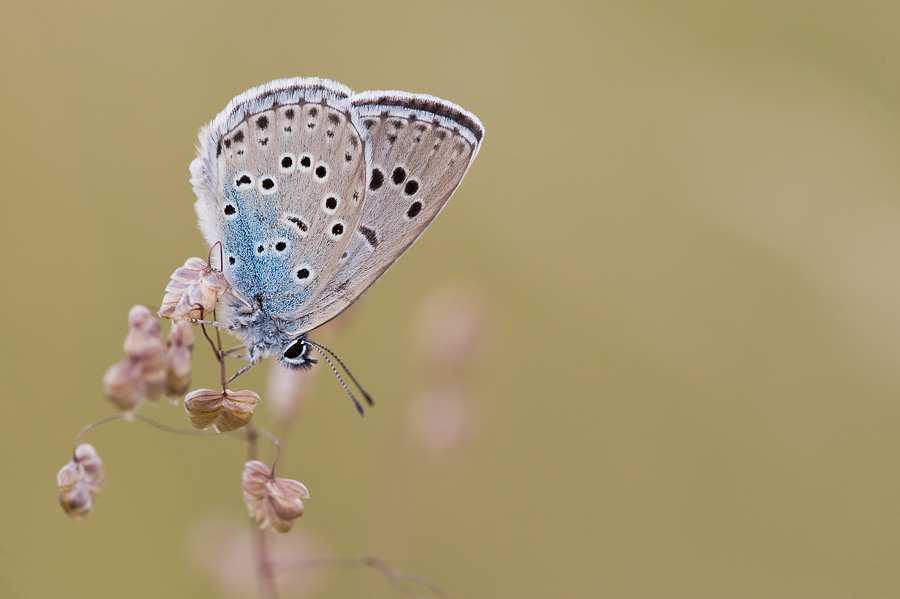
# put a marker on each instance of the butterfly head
(296, 354)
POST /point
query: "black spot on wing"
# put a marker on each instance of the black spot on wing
(370, 236)
(377, 179)
(300, 224)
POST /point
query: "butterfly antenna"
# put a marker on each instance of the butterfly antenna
(347, 370)
(359, 408)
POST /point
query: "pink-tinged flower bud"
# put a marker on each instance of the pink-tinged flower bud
(123, 385)
(153, 373)
(143, 373)
(79, 481)
(273, 502)
(178, 354)
(193, 291)
(144, 345)
(143, 329)
(225, 412)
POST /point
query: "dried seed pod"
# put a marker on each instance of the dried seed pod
(273, 502)
(178, 358)
(143, 373)
(123, 385)
(225, 412)
(80, 481)
(144, 333)
(153, 372)
(193, 291)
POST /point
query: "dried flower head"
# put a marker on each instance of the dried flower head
(273, 502)
(224, 411)
(122, 384)
(144, 333)
(143, 373)
(180, 345)
(79, 481)
(193, 291)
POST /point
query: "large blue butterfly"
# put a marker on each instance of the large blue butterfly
(313, 191)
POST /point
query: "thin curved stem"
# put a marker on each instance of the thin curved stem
(98, 423)
(398, 580)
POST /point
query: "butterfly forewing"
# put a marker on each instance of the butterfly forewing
(418, 149)
(291, 172)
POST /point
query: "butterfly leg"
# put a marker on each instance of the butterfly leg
(218, 325)
(232, 353)
(242, 371)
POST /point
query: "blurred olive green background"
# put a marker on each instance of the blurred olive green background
(686, 216)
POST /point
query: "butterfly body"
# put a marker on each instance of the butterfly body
(313, 192)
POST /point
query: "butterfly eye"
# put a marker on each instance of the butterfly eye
(295, 351)
(297, 355)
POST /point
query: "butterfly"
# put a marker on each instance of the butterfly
(312, 192)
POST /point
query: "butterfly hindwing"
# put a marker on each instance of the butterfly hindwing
(418, 148)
